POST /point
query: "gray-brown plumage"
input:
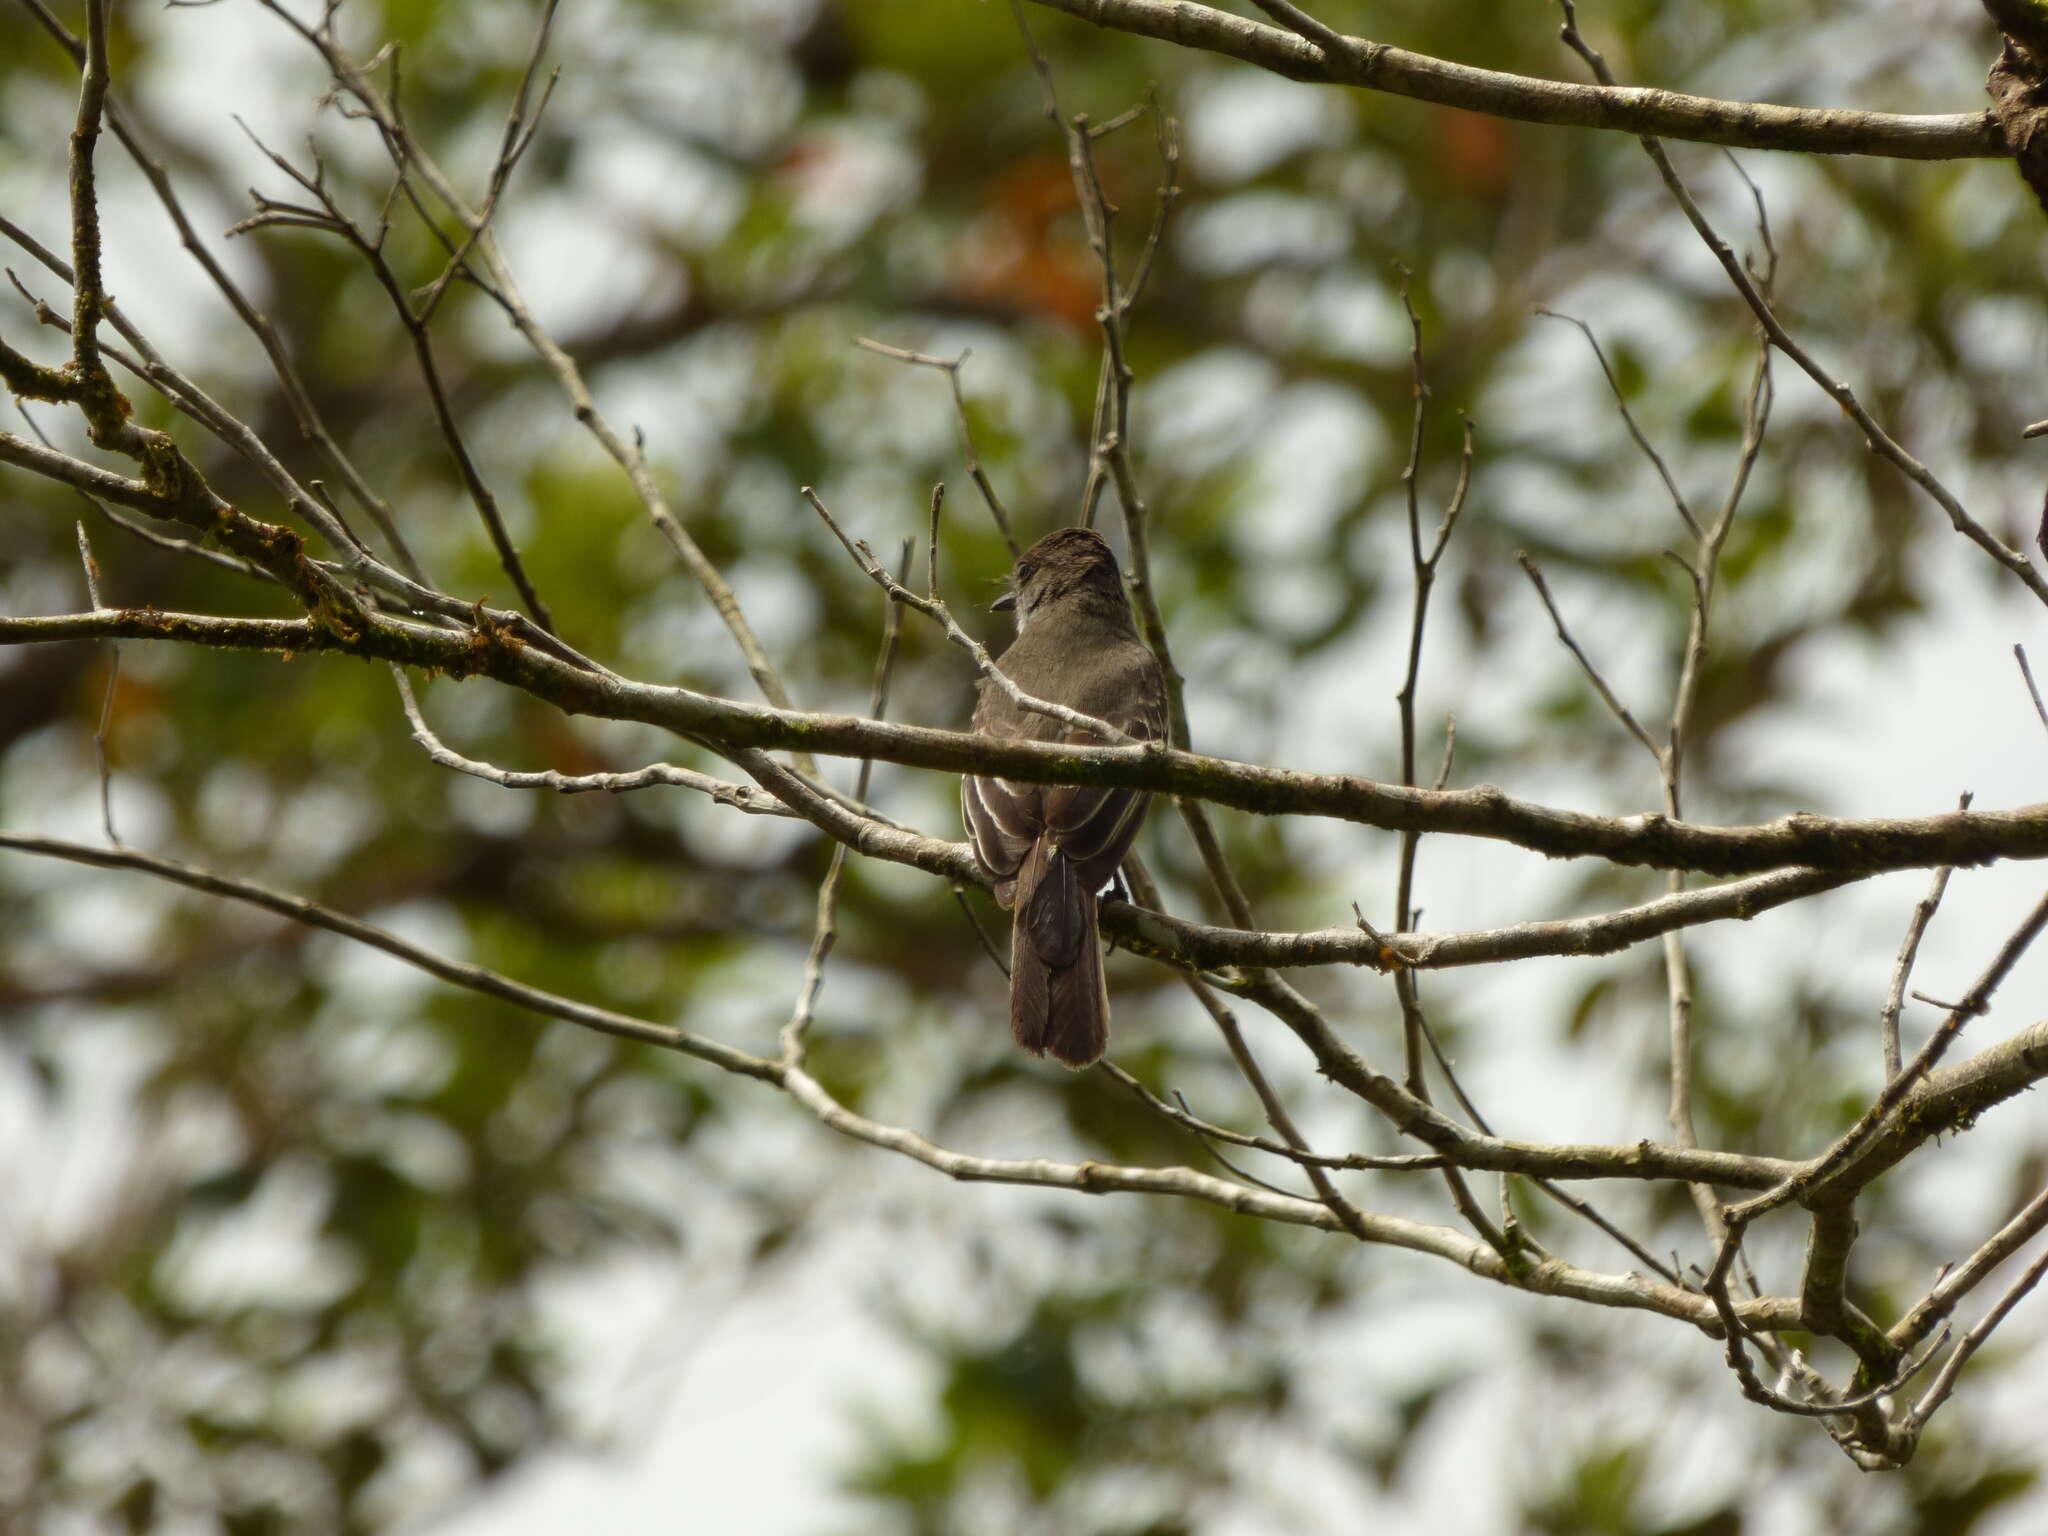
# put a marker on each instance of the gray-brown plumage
(1052, 847)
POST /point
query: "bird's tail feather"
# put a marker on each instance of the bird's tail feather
(1059, 997)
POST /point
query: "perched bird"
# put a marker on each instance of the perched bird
(1052, 847)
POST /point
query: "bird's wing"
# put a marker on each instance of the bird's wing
(1002, 823)
(1093, 825)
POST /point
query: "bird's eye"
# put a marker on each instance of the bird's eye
(1025, 572)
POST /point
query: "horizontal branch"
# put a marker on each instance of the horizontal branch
(1604, 933)
(173, 492)
(1628, 109)
(1199, 945)
(226, 634)
(1819, 843)
(741, 797)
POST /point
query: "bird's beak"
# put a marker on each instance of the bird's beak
(1004, 603)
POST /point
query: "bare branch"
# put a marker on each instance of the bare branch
(1628, 419)
(741, 797)
(2040, 710)
(370, 247)
(1902, 969)
(2026, 1224)
(826, 931)
(259, 325)
(1277, 1114)
(99, 735)
(285, 636)
(1403, 1162)
(951, 368)
(1619, 710)
(1944, 1382)
(1839, 845)
(1834, 1171)
(457, 972)
(629, 455)
(988, 945)
(1903, 1115)
(1603, 934)
(1628, 109)
(1705, 573)
(519, 134)
(1548, 1278)
(89, 295)
(1166, 135)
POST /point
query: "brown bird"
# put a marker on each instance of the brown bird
(1052, 847)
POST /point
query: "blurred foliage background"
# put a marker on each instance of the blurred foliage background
(290, 1240)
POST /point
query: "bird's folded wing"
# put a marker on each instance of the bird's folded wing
(1002, 821)
(1094, 824)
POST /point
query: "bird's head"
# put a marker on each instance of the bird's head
(1066, 565)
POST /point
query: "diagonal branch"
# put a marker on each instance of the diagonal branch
(630, 455)
(297, 396)
(1615, 707)
(459, 973)
(370, 247)
(1551, 1278)
(950, 367)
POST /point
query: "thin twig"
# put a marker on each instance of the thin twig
(297, 396)
(825, 933)
(1628, 419)
(1166, 135)
(935, 609)
(99, 735)
(460, 973)
(631, 457)
(1959, 1280)
(988, 945)
(519, 134)
(1615, 707)
(188, 547)
(330, 216)
(1734, 1220)
(1944, 1383)
(1678, 738)
(2041, 711)
(1401, 1162)
(1275, 1108)
(1416, 1033)
(740, 797)
(951, 368)
(1880, 441)
(1902, 968)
